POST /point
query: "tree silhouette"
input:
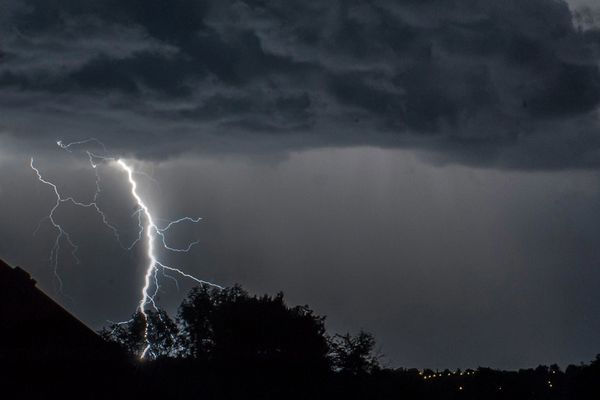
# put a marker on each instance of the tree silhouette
(354, 355)
(195, 317)
(231, 326)
(131, 336)
(229, 344)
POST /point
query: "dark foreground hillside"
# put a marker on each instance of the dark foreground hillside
(228, 344)
(186, 379)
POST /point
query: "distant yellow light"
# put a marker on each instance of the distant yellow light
(460, 388)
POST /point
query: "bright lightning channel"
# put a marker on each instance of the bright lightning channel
(149, 227)
(151, 231)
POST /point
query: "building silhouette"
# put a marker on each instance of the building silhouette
(34, 327)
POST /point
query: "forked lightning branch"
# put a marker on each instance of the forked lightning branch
(152, 235)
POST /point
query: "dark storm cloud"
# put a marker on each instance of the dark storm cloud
(453, 266)
(511, 83)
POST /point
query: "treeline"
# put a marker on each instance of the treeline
(231, 327)
(227, 344)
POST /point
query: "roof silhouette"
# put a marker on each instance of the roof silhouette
(35, 327)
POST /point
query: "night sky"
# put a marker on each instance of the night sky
(426, 170)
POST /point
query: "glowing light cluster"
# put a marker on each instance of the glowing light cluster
(146, 224)
(440, 375)
(461, 386)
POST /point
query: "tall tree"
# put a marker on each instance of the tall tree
(354, 354)
(131, 335)
(231, 326)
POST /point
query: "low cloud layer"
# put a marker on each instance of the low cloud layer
(503, 84)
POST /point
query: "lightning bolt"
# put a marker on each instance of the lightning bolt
(155, 236)
(62, 233)
(152, 230)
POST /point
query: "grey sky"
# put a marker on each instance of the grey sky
(449, 266)
(426, 170)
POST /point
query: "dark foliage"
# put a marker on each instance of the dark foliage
(230, 326)
(229, 344)
(131, 335)
(354, 355)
